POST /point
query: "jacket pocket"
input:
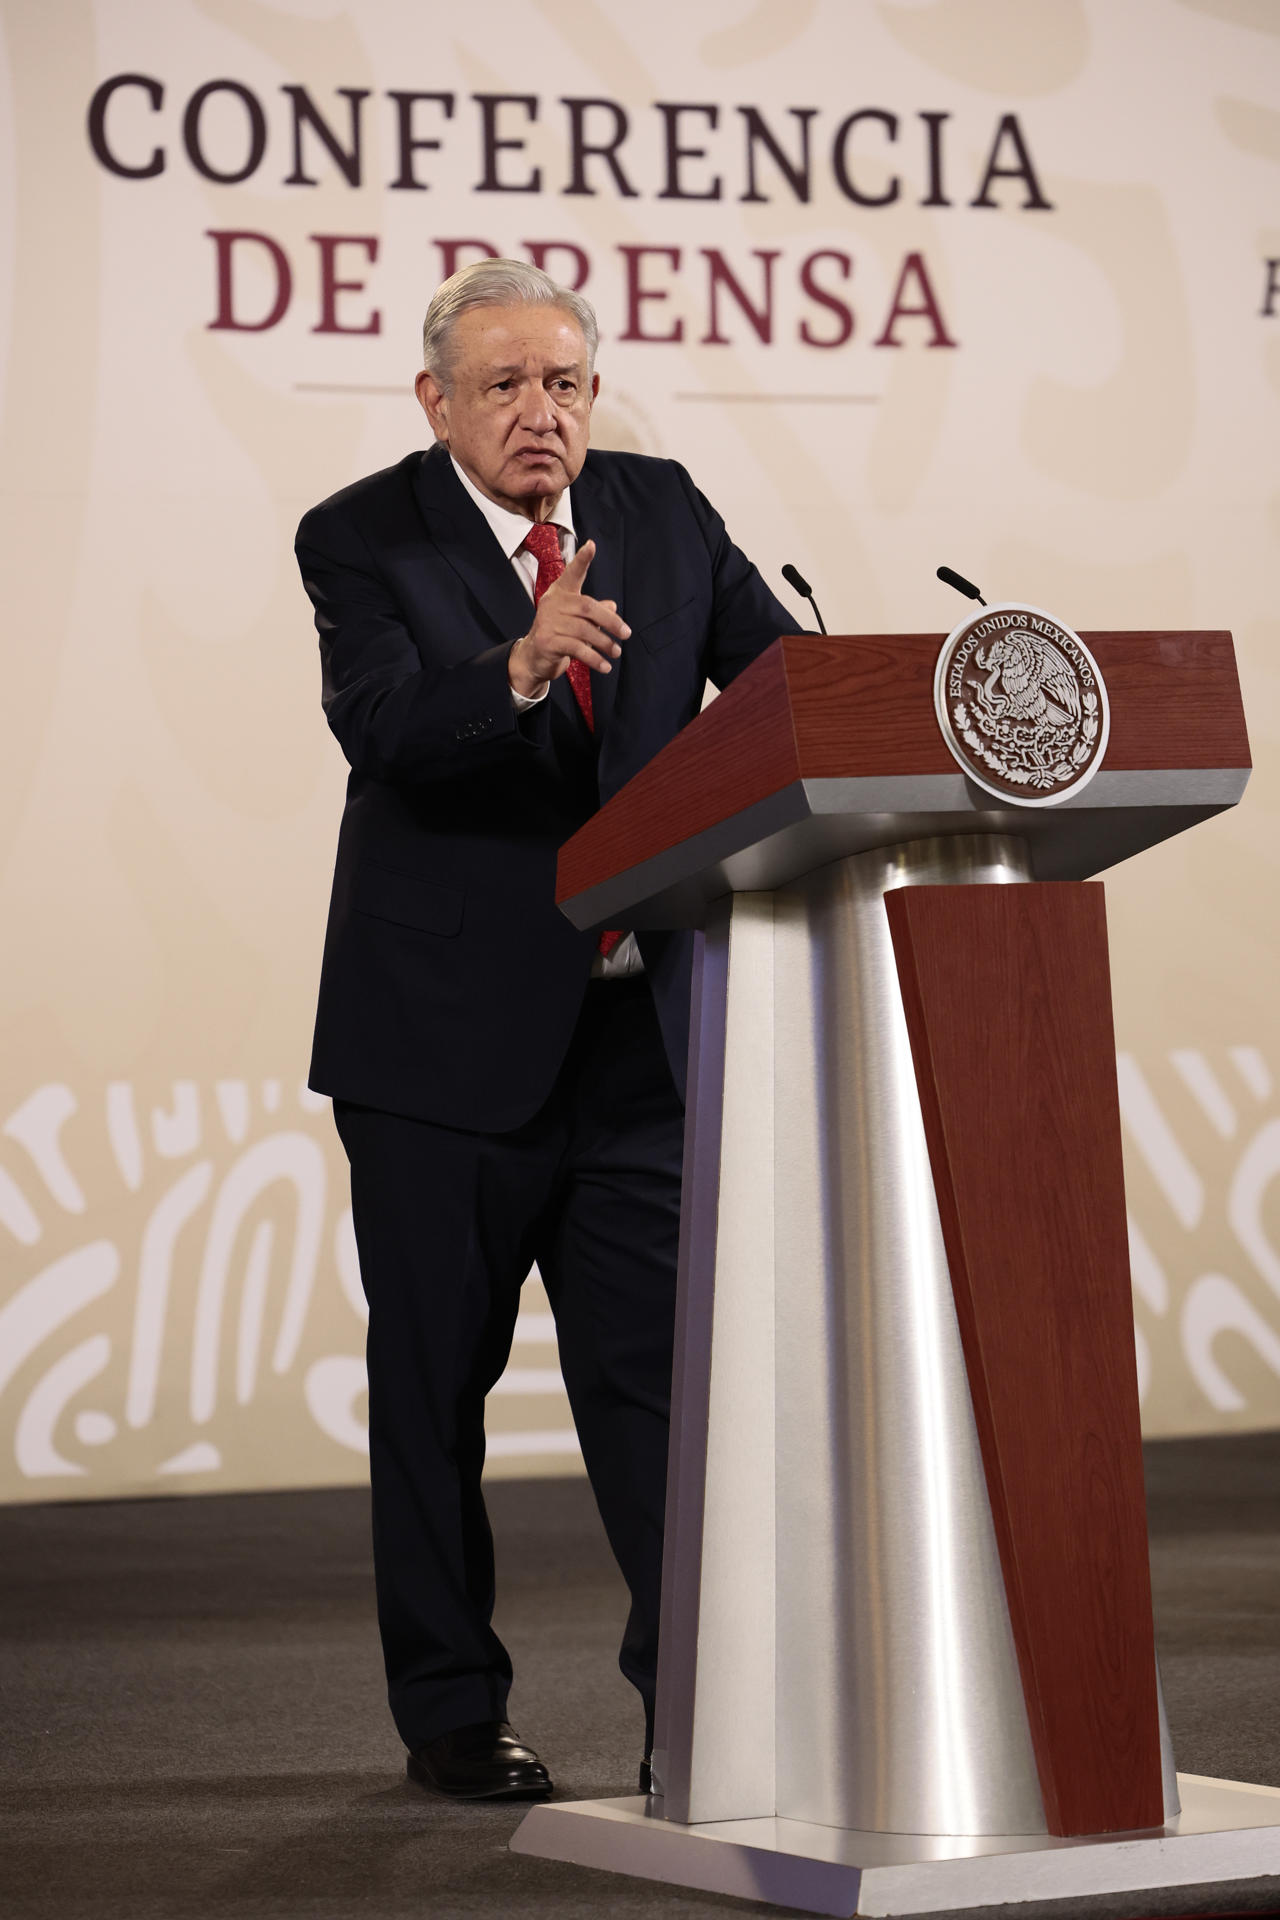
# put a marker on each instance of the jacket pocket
(659, 633)
(406, 900)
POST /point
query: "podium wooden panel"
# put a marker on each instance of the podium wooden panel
(1007, 997)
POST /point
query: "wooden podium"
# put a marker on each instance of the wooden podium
(907, 1659)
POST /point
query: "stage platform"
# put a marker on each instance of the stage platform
(193, 1724)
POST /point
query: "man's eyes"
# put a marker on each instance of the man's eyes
(557, 386)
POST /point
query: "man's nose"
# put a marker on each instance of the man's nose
(537, 413)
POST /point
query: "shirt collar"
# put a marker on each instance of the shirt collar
(510, 529)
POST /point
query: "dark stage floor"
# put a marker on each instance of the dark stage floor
(193, 1722)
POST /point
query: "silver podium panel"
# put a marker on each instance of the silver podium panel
(899, 1701)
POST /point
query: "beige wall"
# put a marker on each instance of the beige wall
(179, 1304)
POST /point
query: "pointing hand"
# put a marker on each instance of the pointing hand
(567, 625)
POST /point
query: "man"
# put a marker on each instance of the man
(510, 627)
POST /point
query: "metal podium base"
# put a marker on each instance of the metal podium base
(1226, 1832)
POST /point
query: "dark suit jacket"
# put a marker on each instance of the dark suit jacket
(451, 982)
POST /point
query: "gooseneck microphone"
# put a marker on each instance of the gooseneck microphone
(961, 585)
(795, 579)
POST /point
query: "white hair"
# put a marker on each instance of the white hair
(497, 283)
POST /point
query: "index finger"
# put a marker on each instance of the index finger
(576, 571)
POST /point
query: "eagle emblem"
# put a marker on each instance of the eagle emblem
(1021, 704)
(1028, 679)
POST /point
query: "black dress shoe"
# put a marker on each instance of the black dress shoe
(483, 1762)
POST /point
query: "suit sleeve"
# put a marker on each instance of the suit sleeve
(745, 617)
(393, 717)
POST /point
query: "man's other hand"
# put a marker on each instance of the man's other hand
(568, 625)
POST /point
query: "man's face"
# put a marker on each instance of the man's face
(518, 416)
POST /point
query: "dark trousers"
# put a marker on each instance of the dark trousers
(447, 1225)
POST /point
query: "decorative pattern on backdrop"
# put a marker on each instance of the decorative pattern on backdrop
(186, 1312)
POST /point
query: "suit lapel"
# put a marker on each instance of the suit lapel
(594, 519)
(463, 538)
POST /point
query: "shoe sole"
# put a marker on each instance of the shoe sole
(421, 1778)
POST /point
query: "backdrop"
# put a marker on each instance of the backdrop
(972, 281)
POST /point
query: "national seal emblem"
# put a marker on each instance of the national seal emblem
(1021, 704)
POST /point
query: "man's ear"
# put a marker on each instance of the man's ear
(434, 403)
(595, 388)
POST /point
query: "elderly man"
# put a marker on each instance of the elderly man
(510, 626)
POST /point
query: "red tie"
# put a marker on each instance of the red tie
(543, 542)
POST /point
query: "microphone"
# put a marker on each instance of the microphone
(795, 579)
(961, 585)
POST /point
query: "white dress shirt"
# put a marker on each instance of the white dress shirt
(510, 530)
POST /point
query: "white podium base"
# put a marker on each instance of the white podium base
(1226, 1831)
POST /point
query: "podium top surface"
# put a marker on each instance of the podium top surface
(829, 745)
